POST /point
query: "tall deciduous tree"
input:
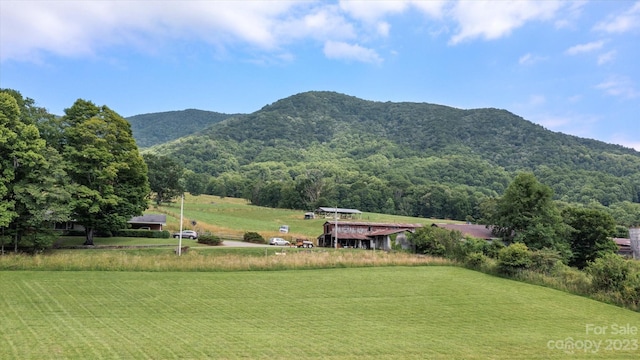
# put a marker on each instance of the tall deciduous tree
(526, 213)
(36, 190)
(590, 234)
(164, 177)
(10, 128)
(110, 174)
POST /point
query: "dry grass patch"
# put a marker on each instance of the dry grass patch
(211, 260)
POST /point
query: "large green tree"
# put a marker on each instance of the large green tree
(526, 213)
(590, 234)
(34, 192)
(165, 176)
(105, 165)
(10, 140)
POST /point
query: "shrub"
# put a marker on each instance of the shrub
(253, 237)
(545, 260)
(514, 258)
(493, 248)
(430, 240)
(631, 290)
(209, 239)
(609, 273)
(469, 246)
(475, 260)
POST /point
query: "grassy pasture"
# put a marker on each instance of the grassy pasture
(438, 312)
(236, 216)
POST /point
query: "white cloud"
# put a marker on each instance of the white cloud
(344, 51)
(530, 59)
(372, 11)
(553, 122)
(622, 22)
(624, 140)
(77, 28)
(535, 100)
(583, 48)
(571, 16)
(606, 57)
(321, 23)
(619, 87)
(569, 123)
(494, 19)
(383, 28)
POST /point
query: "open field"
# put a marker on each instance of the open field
(422, 312)
(236, 216)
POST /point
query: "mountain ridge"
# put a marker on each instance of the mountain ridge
(347, 139)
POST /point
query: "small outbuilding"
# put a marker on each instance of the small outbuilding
(341, 213)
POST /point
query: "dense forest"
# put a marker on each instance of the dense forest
(329, 149)
(158, 128)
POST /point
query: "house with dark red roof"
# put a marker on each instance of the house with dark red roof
(362, 235)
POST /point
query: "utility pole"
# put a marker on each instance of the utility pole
(336, 226)
(179, 252)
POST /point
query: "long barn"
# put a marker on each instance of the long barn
(362, 235)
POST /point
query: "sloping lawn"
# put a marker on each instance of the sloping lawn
(421, 312)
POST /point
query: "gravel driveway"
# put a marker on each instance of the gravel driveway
(232, 243)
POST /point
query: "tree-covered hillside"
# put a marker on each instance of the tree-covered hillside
(325, 148)
(157, 128)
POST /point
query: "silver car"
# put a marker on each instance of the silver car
(278, 241)
(189, 234)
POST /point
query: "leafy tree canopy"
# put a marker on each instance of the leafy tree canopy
(526, 213)
(590, 234)
(110, 174)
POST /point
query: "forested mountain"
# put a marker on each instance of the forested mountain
(325, 148)
(157, 128)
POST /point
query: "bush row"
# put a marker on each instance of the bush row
(140, 233)
(143, 233)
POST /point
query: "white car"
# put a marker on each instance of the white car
(188, 234)
(278, 241)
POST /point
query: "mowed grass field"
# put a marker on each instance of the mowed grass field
(423, 312)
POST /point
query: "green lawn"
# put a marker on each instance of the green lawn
(354, 313)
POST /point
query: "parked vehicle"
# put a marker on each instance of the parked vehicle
(284, 229)
(301, 243)
(278, 241)
(188, 234)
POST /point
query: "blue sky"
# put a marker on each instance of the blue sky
(570, 66)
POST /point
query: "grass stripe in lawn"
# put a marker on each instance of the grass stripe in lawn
(352, 313)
